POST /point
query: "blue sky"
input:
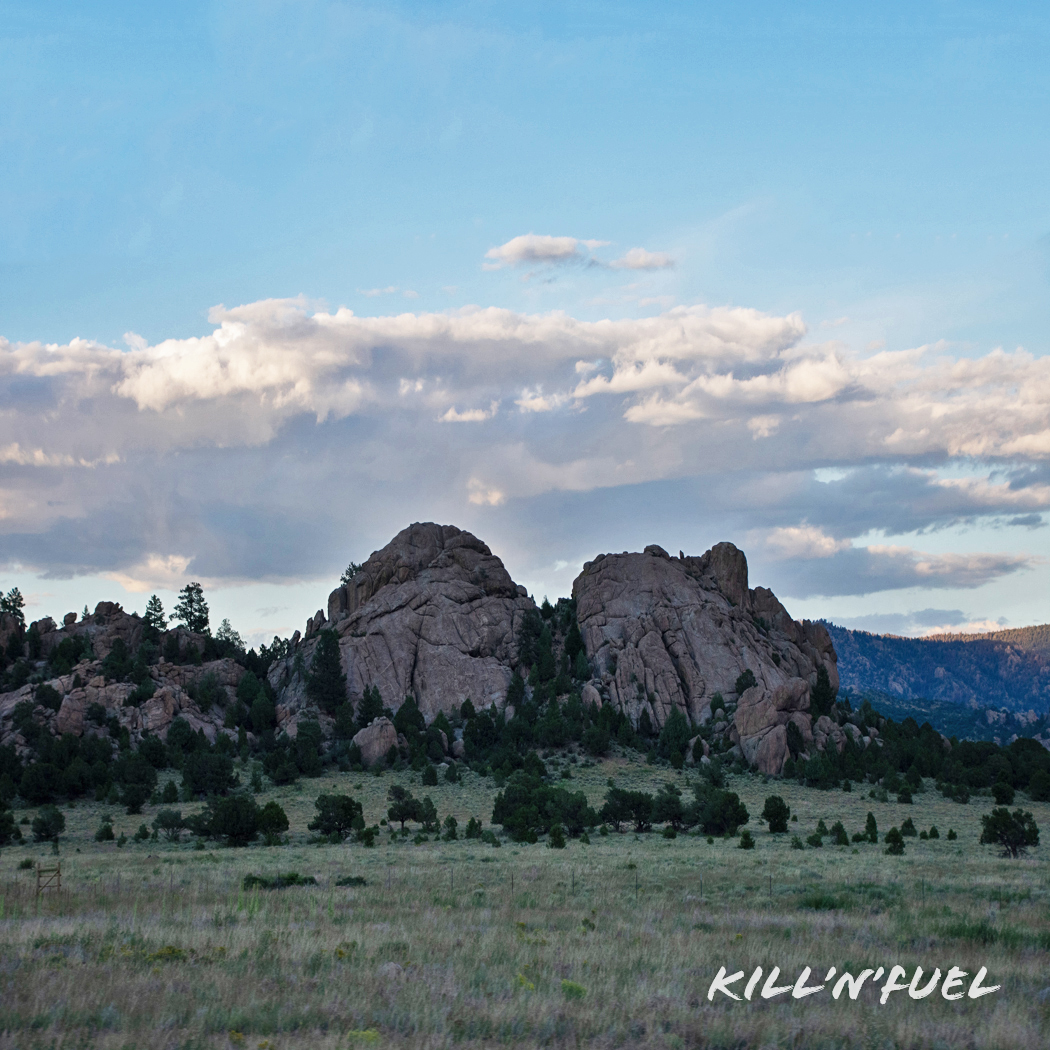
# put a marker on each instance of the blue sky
(618, 274)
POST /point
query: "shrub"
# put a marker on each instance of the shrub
(278, 882)
(572, 990)
(908, 828)
(450, 826)
(747, 840)
(894, 842)
(351, 880)
(871, 829)
(170, 793)
(235, 819)
(815, 840)
(745, 681)
(951, 835)
(430, 776)
(48, 824)
(207, 773)
(934, 833)
(428, 818)
(777, 813)
(838, 834)
(1003, 793)
(489, 836)
(1013, 832)
(169, 822)
(134, 796)
(105, 831)
(556, 837)
(904, 796)
(473, 829)
(337, 815)
(796, 842)
(719, 812)
(1039, 786)
(273, 821)
(668, 833)
(141, 835)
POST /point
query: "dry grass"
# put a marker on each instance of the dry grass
(157, 946)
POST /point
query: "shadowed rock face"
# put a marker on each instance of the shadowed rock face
(667, 632)
(433, 614)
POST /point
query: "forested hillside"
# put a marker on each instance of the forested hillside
(1007, 669)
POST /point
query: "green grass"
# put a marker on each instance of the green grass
(462, 945)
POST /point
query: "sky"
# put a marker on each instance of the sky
(278, 279)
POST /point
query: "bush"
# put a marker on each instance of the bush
(1003, 793)
(951, 835)
(207, 773)
(273, 822)
(815, 840)
(170, 824)
(134, 796)
(1039, 786)
(556, 837)
(1013, 832)
(668, 833)
(473, 829)
(838, 834)
(908, 828)
(48, 824)
(747, 840)
(450, 825)
(235, 819)
(141, 835)
(278, 882)
(934, 833)
(904, 796)
(105, 832)
(337, 815)
(796, 842)
(894, 842)
(719, 812)
(351, 880)
(745, 680)
(430, 776)
(777, 813)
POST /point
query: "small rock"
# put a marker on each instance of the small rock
(391, 971)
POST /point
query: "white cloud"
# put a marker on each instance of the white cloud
(194, 443)
(155, 572)
(371, 293)
(470, 415)
(804, 541)
(481, 494)
(640, 259)
(531, 248)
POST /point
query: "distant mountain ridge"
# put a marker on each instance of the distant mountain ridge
(1004, 669)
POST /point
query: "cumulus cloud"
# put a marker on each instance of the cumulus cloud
(254, 444)
(532, 248)
(640, 259)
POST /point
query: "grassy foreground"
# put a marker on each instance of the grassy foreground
(461, 944)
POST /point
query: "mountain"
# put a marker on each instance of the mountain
(1003, 670)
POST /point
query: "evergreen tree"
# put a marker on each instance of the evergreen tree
(154, 618)
(821, 696)
(349, 573)
(326, 683)
(226, 633)
(13, 603)
(191, 609)
(371, 706)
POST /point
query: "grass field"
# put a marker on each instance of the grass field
(157, 945)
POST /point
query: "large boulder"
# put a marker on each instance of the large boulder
(668, 633)
(376, 740)
(434, 615)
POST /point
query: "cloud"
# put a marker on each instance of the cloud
(259, 445)
(922, 623)
(470, 415)
(532, 248)
(640, 259)
(804, 541)
(369, 293)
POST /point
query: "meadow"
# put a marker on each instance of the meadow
(605, 944)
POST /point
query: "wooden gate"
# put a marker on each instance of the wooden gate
(48, 878)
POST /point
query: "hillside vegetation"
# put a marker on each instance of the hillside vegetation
(1008, 669)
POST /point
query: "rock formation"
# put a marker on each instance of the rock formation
(434, 614)
(84, 685)
(667, 633)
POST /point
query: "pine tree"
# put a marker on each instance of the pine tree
(154, 619)
(326, 683)
(13, 603)
(191, 609)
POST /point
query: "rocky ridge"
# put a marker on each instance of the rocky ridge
(665, 633)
